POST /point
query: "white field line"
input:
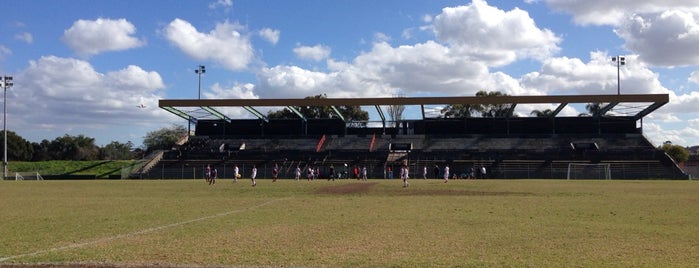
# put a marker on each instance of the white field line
(144, 231)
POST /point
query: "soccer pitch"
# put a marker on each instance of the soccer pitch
(350, 223)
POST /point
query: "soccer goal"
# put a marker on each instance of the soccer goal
(581, 171)
(21, 176)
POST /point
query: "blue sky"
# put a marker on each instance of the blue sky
(84, 67)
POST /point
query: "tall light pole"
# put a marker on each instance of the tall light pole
(620, 60)
(6, 83)
(200, 70)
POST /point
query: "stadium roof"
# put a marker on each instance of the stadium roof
(634, 105)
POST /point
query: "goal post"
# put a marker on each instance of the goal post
(587, 171)
(21, 176)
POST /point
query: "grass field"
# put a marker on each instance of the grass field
(348, 223)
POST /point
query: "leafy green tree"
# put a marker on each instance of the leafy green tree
(544, 113)
(677, 152)
(73, 148)
(460, 110)
(18, 149)
(41, 151)
(117, 151)
(485, 110)
(164, 138)
(593, 109)
(350, 113)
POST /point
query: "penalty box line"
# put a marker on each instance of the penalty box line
(141, 232)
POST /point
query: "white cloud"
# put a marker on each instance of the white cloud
(25, 37)
(494, 36)
(669, 38)
(316, 53)
(381, 37)
(565, 75)
(604, 12)
(224, 44)
(63, 94)
(91, 37)
(270, 35)
(4, 51)
(225, 4)
(657, 133)
(694, 77)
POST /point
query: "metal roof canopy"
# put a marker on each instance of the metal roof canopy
(653, 101)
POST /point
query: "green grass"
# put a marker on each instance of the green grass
(511, 223)
(101, 169)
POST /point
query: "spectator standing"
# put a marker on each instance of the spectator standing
(424, 172)
(436, 171)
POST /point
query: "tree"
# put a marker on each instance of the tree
(544, 113)
(350, 113)
(485, 110)
(593, 109)
(73, 148)
(164, 138)
(677, 152)
(18, 149)
(395, 112)
(117, 151)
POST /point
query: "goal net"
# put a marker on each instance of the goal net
(580, 171)
(21, 176)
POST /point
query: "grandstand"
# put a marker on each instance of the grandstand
(509, 147)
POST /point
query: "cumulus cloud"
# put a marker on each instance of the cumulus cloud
(224, 44)
(91, 37)
(316, 53)
(565, 75)
(669, 38)
(70, 93)
(492, 35)
(603, 12)
(270, 35)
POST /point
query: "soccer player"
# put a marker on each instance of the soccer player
(404, 175)
(207, 173)
(297, 173)
(253, 175)
(446, 173)
(275, 172)
(236, 173)
(214, 175)
(363, 172)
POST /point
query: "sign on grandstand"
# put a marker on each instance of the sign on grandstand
(585, 171)
(21, 176)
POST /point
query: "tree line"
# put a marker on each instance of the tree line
(82, 148)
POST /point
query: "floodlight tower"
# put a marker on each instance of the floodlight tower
(620, 60)
(6, 83)
(200, 70)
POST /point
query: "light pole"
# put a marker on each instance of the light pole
(620, 60)
(200, 70)
(6, 82)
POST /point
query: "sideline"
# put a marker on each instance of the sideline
(144, 231)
